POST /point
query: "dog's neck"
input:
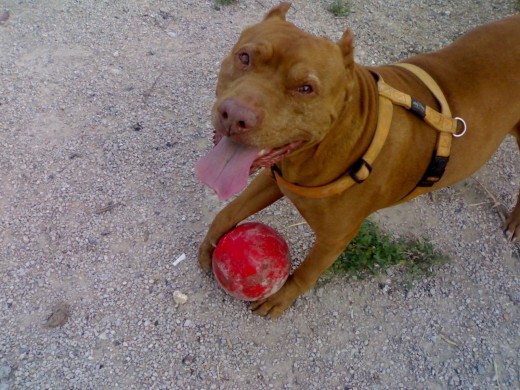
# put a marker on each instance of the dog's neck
(347, 140)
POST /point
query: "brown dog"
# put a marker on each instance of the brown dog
(288, 98)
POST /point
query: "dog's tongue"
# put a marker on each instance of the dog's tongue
(226, 168)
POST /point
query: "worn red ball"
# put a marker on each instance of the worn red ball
(251, 262)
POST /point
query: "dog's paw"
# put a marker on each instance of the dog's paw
(276, 304)
(512, 226)
(512, 232)
(205, 254)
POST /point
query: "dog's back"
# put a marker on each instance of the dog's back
(480, 75)
(481, 66)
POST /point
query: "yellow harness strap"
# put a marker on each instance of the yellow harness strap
(443, 122)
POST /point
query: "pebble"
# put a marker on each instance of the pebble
(188, 359)
(4, 372)
(179, 297)
(481, 369)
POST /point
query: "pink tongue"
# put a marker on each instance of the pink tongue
(226, 168)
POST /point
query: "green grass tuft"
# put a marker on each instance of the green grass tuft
(218, 3)
(340, 8)
(372, 252)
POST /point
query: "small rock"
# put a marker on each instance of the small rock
(59, 316)
(179, 297)
(179, 259)
(4, 16)
(188, 359)
(4, 372)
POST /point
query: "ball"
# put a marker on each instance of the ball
(251, 262)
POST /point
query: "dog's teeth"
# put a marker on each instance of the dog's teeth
(262, 152)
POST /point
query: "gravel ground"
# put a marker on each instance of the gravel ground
(104, 108)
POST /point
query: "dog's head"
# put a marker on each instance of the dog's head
(280, 89)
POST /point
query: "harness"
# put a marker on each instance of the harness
(447, 126)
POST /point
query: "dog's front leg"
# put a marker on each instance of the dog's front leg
(322, 255)
(262, 192)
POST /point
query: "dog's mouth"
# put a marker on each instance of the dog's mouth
(228, 165)
(269, 157)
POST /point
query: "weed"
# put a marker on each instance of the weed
(218, 3)
(340, 8)
(372, 252)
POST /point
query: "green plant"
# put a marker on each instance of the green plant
(421, 256)
(224, 2)
(372, 252)
(340, 8)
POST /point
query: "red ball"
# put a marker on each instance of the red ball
(251, 262)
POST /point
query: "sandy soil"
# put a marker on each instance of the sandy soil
(104, 108)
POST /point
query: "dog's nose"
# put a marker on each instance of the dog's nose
(236, 118)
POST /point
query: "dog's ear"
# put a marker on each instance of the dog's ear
(346, 44)
(279, 12)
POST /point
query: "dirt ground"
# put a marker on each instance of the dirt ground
(104, 109)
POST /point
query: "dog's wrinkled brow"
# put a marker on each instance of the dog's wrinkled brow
(301, 72)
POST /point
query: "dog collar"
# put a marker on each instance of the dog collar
(388, 96)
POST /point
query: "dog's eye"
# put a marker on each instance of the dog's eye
(306, 89)
(244, 58)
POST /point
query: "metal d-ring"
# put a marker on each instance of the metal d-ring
(465, 127)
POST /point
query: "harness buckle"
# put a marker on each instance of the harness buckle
(360, 171)
(435, 171)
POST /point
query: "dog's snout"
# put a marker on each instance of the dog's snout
(237, 118)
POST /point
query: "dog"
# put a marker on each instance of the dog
(341, 140)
